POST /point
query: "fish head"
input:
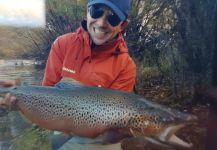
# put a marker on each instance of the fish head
(162, 130)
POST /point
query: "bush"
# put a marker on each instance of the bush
(61, 17)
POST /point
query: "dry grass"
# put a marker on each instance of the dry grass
(13, 43)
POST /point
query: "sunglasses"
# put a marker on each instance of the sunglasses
(97, 12)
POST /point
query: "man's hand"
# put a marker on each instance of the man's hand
(7, 101)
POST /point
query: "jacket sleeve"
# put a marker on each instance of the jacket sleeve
(127, 77)
(54, 65)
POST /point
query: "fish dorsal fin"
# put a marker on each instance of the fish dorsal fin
(67, 83)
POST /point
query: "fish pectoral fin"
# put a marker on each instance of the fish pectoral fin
(115, 135)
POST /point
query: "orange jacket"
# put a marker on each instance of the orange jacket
(108, 65)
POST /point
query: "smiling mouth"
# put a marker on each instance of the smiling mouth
(99, 31)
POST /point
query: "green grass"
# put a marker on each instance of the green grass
(32, 138)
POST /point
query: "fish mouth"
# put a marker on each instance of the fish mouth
(168, 137)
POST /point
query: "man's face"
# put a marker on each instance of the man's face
(100, 30)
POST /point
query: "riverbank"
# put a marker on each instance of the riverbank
(15, 42)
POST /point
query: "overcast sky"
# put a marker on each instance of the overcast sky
(22, 12)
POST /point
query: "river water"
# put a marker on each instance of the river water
(13, 124)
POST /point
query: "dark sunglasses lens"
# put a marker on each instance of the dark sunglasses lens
(96, 12)
(114, 20)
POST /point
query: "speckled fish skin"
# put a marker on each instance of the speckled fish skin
(91, 111)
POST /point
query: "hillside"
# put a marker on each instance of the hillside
(13, 42)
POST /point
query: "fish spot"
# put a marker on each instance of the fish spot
(164, 119)
(146, 123)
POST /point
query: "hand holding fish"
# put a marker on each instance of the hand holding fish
(8, 100)
(9, 83)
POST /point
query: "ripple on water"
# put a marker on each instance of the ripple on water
(20, 69)
(13, 124)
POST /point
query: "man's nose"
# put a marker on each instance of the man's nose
(102, 21)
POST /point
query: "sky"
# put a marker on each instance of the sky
(22, 13)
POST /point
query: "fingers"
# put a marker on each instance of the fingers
(8, 101)
(2, 104)
(8, 83)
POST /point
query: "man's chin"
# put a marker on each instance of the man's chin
(99, 42)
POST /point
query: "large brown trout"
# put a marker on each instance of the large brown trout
(91, 112)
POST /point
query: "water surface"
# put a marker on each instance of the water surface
(13, 125)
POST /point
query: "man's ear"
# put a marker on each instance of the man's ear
(124, 25)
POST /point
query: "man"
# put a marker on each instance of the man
(96, 54)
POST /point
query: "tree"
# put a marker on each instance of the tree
(176, 37)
